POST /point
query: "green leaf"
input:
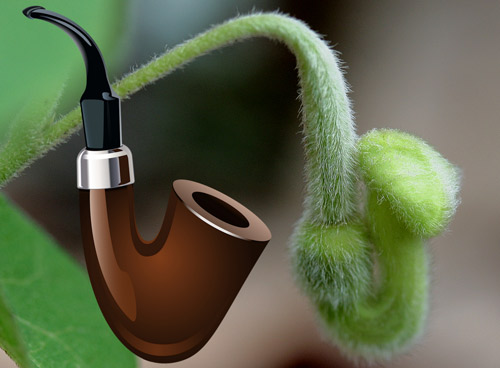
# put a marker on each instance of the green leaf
(48, 313)
(41, 68)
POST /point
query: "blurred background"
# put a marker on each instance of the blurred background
(230, 120)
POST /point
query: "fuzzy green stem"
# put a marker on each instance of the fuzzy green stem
(331, 253)
(329, 136)
(412, 194)
(386, 321)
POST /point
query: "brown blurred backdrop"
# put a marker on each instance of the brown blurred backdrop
(231, 118)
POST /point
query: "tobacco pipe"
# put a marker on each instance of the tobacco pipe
(163, 298)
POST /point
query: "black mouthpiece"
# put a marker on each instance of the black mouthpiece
(28, 10)
(100, 104)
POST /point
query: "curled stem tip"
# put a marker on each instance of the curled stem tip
(334, 244)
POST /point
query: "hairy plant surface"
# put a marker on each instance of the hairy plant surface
(411, 193)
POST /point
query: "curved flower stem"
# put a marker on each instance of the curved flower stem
(392, 315)
(330, 251)
(329, 136)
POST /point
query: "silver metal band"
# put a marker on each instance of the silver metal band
(104, 169)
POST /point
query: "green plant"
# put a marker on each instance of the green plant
(48, 314)
(411, 193)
